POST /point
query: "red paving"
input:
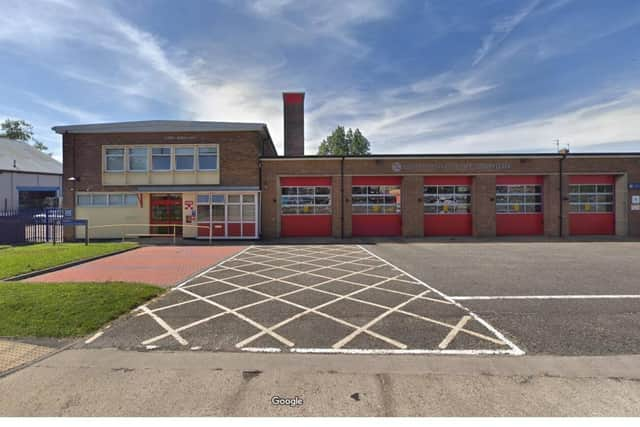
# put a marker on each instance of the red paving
(157, 265)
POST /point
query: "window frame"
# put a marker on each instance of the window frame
(107, 155)
(384, 194)
(193, 158)
(438, 204)
(310, 192)
(580, 204)
(216, 156)
(146, 158)
(170, 155)
(125, 197)
(524, 193)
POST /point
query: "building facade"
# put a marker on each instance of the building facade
(225, 181)
(29, 179)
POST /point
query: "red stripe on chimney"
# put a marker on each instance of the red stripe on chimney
(293, 98)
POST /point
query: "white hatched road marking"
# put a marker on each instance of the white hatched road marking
(164, 324)
(516, 351)
(308, 256)
(452, 333)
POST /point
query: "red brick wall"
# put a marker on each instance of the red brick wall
(483, 170)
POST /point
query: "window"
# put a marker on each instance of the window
(84, 200)
(376, 199)
(106, 199)
(447, 199)
(131, 200)
(99, 200)
(116, 199)
(138, 159)
(184, 158)
(207, 158)
(161, 158)
(248, 207)
(114, 159)
(305, 200)
(590, 198)
(518, 199)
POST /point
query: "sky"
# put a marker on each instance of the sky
(434, 76)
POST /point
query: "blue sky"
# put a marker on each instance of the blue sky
(431, 76)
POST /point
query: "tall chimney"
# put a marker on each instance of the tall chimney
(293, 123)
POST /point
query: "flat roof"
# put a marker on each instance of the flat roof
(454, 156)
(166, 126)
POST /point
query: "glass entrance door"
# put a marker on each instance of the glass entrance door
(166, 210)
(228, 215)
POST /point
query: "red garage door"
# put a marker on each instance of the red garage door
(519, 206)
(447, 206)
(591, 205)
(305, 207)
(376, 206)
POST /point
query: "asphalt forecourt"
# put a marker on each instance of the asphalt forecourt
(306, 299)
(564, 298)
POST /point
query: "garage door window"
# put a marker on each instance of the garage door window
(314, 200)
(447, 199)
(590, 198)
(518, 199)
(376, 200)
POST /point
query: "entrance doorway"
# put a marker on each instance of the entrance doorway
(166, 211)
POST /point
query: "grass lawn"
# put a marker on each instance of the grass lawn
(24, 259)
(66, 309)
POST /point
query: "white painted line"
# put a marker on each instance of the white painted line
(94, 337)
(212, 267)
(262, 349)
(346, 340)
(243, 317)
(196, 348)
(165, 326)
(516, 350)
(525, 297)
(453, 332)
(151, 347)
(408, 351)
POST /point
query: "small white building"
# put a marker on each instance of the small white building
(29, 178)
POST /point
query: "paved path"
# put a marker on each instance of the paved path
(129, 383)
(158, 265)
(14, 354)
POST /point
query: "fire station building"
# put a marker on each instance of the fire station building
(214, 180)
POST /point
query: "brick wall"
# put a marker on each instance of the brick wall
(483, 170)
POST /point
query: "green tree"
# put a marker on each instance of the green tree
(341, 143)
(38, 145)
(21, 131)
(17, 129)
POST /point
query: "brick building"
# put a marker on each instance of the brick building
(226, 181)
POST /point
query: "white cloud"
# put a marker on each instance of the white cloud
(501, 31)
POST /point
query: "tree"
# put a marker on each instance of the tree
(21, 131)
(17, 129)
(341, 143)
(38, 145)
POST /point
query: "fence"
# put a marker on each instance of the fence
(31, 226)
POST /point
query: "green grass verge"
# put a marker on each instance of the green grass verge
(24, 259)
(66, 309)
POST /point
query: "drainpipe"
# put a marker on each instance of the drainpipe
(564, 155)
(342, 201)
